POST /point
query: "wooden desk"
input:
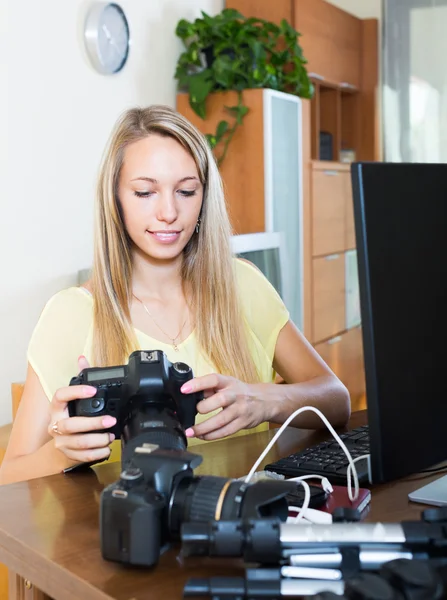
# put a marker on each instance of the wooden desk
(49, 526)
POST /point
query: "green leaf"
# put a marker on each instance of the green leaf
(222, 128)
(200, 85)
(184, 29)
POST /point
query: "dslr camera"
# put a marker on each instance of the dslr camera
(145, 398)
(141, 514)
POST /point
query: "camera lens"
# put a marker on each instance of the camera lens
(212, 498)
(203, 499)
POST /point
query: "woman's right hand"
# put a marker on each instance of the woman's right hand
(73, 435)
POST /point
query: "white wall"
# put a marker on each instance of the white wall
(364, 9)
(55, 115)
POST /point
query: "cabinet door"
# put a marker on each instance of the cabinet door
(283, 187)
(331, 41)
(344, 355)
(328, 211)
(328, 296)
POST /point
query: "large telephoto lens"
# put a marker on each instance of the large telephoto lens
(211, 498)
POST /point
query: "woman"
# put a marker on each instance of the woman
(164, 278)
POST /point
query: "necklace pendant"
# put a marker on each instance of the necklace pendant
(175, 347)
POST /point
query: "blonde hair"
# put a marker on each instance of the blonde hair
(207, 259)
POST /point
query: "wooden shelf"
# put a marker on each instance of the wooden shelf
(335, 112)
(322, 165)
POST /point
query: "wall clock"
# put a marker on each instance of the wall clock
(107, 37)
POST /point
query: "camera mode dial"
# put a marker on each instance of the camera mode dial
(182, 368)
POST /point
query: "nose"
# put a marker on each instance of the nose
(166, 208)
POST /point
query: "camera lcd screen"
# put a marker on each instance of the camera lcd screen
(105, 374)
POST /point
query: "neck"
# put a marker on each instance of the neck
(156, 279)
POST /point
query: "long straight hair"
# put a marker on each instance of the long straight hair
(207, 266)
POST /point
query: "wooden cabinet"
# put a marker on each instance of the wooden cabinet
(344, 355)
(331, 41)
(328, 293)
(333, 227)
(328, 208)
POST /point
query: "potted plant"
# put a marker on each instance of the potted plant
(231, 52)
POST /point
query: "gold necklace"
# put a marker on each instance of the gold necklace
(174, 345)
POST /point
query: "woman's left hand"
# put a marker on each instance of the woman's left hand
(240, 403)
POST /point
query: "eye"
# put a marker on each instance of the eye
(142, 194)
(187, 193)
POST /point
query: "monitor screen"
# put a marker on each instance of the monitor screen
(267, 251)
(400, 215)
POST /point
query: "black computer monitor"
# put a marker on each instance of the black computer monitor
(400, 213)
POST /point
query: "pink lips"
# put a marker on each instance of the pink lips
(165, 237)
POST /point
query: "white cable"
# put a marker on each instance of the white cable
(312, 516)
(349, 472)
(335, 436)
(306, 502)
(325, 483)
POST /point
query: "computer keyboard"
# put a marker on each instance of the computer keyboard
(328, 459)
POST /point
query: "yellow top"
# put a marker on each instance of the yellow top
(64, 332)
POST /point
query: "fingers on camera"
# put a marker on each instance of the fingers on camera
(89, 441)
(90, 455)
(74, 392)
(85, 424)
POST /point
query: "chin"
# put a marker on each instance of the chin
(167, 253)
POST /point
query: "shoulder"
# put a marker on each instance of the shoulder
(250, 280)
(60, 336)
(69, 310)
(244, 268)
(262, 306)
(67, 300)
(255, 290)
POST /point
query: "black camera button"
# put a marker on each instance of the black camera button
(119, 493)
(131, 477)
(90, 406)
(131, 474)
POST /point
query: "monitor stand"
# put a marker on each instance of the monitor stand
(433, 493)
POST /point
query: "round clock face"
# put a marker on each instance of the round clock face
(107, 37)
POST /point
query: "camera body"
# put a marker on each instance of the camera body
(144, 511)
(136, 513)
(144, 396)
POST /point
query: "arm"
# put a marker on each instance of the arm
(310, 383)
(36, 450)
(31, 451)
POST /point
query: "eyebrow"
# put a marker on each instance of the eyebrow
(152, 180)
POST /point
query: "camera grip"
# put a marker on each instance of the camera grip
(189, 408)
(96, 406)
